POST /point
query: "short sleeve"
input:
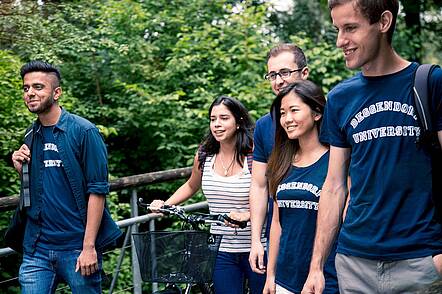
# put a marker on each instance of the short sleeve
(263, 138)
(332, 131)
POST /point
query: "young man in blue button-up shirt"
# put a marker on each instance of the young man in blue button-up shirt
(68, 224)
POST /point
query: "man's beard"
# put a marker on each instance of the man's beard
(44, 106)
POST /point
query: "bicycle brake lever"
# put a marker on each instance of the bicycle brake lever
(142, 203)
(240, 224)
(195, 219)
(169, 207)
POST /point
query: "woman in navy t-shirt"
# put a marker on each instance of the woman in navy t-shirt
(296, 172)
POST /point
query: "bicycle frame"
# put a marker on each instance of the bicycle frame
(199, 248)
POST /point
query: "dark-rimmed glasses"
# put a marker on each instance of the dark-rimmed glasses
(283, 73)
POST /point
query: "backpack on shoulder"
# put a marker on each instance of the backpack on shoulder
(428, 139)
(15, 232)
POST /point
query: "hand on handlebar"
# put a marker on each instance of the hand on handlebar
(243, 217)
(156, 205)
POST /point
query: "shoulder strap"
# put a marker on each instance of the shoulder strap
(29, 136)
(25, 196)
(422, 96)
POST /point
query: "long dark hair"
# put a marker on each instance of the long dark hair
(285, 149)
(244, 133)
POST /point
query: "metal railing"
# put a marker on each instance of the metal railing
(131, 224)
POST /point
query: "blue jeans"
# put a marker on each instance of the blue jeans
(231, 271)
(42, 271)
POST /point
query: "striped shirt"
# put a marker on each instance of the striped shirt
(226, 194)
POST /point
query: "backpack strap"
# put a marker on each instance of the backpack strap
(422, 97)
(29, 136)
(25, 195)
(428, 137)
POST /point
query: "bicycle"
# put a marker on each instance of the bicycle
(180, 257)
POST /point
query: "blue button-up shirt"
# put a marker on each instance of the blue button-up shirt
(84, 156)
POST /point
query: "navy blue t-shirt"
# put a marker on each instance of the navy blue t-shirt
(62, 227)
(297, 198)
(263, 138)
(390, 213)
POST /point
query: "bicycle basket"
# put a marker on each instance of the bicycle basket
(176, 257)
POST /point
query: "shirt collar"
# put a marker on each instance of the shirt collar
(60, 125)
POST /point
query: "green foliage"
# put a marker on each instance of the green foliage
(325, 61)
(432, 31)
(146, 72)
(110, 259)
(304, 16)
(14, 118)
(407, 42)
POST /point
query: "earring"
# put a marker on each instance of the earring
(237, 127)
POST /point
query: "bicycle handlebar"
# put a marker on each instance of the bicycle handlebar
(200, 218)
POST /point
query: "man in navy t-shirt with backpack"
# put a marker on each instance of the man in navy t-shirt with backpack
(389, 241)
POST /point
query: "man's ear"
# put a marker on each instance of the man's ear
(57, 93)
(304, 73)
(385, 21)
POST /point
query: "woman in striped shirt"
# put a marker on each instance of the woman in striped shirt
(221, 169)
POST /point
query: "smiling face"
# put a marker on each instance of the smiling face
(297, 118)
(284, 60)
(223, 124)
(359, 40)
(39, 93)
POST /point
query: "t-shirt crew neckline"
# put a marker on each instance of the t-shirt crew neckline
(382, 78)
(310, 165)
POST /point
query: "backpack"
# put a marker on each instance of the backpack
(14, 234)
(25, 198)
(428, 139)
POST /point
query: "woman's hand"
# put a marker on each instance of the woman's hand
(270, 286)
(238, 216)
(156, 205)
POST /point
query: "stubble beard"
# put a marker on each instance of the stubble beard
(44, 106)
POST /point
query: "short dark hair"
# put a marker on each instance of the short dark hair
(298, 54)
(244, 133)
(42, 66)
(372, 10)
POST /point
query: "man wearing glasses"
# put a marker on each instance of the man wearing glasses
(285, 64)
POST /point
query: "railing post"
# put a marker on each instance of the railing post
(135, 265)
(151, 229)
(120, 259)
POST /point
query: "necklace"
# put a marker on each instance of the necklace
(226, 169)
